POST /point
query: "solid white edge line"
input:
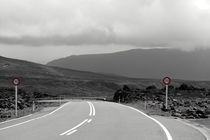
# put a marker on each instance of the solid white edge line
(94, 111)
(34, 118)
(89, 120)
(15, 119)
(203, 132)
(71, 132)
(90, 114)
(168, 135)
(74, 127)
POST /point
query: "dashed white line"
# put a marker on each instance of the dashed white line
(64, 133)
(72, 132)
(89, 120)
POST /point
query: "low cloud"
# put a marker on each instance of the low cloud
(153, 23)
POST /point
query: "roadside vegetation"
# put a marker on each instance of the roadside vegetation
(41, 81)
(185, 101)
(26, 102)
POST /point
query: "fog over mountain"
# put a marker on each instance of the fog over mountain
(144, 63)
(43, 30)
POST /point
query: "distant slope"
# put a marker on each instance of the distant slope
(57, 81)
(60, 81)
(144, 63)
(14, 67)
(68, 82)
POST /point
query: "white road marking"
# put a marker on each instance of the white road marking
(89, 120)
(71, 132)
(94, 111)
(34, 118)
(168, 135)
(64, 133)
(16, 119)
(202, 131)
(90, 114)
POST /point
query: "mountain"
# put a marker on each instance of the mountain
(55, 81)
(144, 63)
(59, 81)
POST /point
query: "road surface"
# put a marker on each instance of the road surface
(96, 120)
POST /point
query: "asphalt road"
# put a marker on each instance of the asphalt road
(89, 120)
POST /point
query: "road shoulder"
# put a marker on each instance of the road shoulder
(203, 129)
(180, 129)
(40, 113)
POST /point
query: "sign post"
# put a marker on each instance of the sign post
(33, 106)
(145, 103)
(166, 82)
(16, 82)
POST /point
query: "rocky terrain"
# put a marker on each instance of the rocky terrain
(24, 104)
(185, 101)
(41, 81)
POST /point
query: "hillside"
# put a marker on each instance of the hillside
(40, 81)
(55, 81)
(144, 63)
(59, 81)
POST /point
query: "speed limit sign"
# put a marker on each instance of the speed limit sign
(16, 81)
(167, 80)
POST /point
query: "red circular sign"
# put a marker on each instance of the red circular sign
(167, 80)
(16, 81)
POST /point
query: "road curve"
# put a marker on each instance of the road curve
(88, 120)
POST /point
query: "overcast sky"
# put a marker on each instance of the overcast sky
(42, 30)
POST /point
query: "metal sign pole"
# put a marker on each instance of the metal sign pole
(16, 90)
(33, 106)
(166, 96)
(16, 82)
(166, 81)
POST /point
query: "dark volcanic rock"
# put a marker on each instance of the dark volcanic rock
(190, 104)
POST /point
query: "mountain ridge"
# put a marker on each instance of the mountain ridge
(54, 81)
(60, 81)
(144, 63)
